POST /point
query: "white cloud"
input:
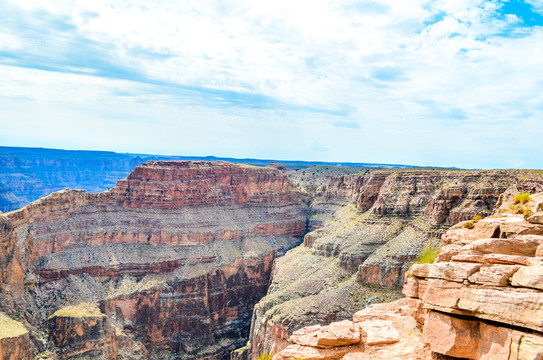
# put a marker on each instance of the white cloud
(397, 68)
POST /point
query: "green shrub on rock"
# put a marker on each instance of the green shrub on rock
(522, 198)
(428, 254)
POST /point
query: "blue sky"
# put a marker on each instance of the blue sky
(447, 83)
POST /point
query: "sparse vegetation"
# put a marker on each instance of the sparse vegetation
(81, 310)
(522, 198)
(527, 213)
(428, 254)
(265, 357)
(10, 328)
(476, 218)
(468, 225)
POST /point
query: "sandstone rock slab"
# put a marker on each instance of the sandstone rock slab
(494, 275)
(296, 351)
(453, 271)
(375, 332)
(536, 218)
(339, 333)
(451, 336)
(414, 287)
(524, 245)
(420, 270)
(529, 276)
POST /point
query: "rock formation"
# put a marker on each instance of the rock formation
(175, 256)
(481, 299)
(372, 228)
(14, 340)
(83, 332)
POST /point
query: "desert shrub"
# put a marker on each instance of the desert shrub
(428, 254)
(522, 198)
(265, 357)
(527, 213)
(468, 225)
(477, 218)
(539, 207)
(516, 209)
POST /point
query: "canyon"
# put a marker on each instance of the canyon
(175, 256)
(27, 174)
(480, 299)
(192, 259)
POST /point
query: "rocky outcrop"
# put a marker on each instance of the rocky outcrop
(380, 224)
(14, 340)
(176, 255)
(381, 331)
(480, 299)
(484, 294)
(83, 332)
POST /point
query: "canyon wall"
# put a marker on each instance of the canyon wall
(480, 299)
(175, 257)
(372, 228)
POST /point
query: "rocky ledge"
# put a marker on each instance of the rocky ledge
(480, 299)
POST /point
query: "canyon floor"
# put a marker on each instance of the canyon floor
(193, 260)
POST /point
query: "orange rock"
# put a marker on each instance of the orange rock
(336, 334)
(415, 287)
(420, 270)
(524, 245)
(529, 276)
(494, 275)
(494, 259)
(453, 271)
(494, 342)
(311, 353)
(451, 336)
(375, 332)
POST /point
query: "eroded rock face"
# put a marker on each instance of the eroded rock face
(82, 332)
(380, 224)
(484, 300)
(175, 255)
(387, 331)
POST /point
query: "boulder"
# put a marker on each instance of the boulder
(336, 334)
(375, 332)
(453, 271)
(420, 270)
(529, 277)
(296, 351)
(451, 336)
(524, 245)
(494, 275)
(536, 218)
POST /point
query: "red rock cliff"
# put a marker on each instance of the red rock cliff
(176, 254)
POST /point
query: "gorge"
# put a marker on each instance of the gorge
(171, 262)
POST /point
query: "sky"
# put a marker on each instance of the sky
(434, 83)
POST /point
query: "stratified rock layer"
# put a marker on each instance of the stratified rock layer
(175, 255)
(373, 226)
(82, 332)
(481, 299)
(483, 294)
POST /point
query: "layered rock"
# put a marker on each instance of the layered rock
(481, 299)
(381, 331)
(83, 332)
(14, 340)
(484, 295)
(375, 227)
(176, 255)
